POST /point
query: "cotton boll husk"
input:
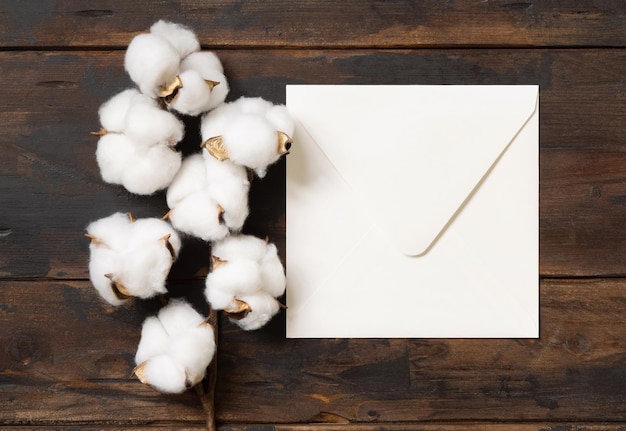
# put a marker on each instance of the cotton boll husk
(198, 216)
(178, 316)
(236, 276)
(113, 153)
(113, 112)
(179, 36)
(240, 247)
(104, 261)
(195, 95)
(151, 62)
(164, 374)
(113, 231)
(151, 170)
(147, 124)
(194, 349)
(190, 178)
(272, 273)
(263, 307)
(154, 340)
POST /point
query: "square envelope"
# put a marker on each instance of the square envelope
(412, 211)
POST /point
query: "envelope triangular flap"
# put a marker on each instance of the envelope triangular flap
(414, 154)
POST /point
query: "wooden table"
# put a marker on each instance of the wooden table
(66, 358)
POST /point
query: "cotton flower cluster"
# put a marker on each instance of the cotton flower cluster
(175, 349)
(206, 192)
(131, 258)
(246, 280)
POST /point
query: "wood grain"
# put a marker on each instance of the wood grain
(51, 188)
(317, 23)
(67, 357)
(574, 370)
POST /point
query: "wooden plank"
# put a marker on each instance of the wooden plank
(68, 358)
(430, 427)
(317, 23)
(574, 372)
(51, 188)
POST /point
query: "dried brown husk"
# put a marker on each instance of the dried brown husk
(215, 147)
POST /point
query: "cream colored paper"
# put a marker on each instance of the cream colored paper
(412, 211)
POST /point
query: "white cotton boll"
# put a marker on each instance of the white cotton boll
(113, 112)
(112, 231)
(180, 37)
(209, 67)
(195, 95)
(237, 276)
(194, 349)
(190, 178)
(202, 61)
(147, 124)
(154, 340)
(212, 123)
(198, 215)
(151, 62)
(279, 116)
(240, 247)
(178, 316)
(252, 105)
(272, 272)
(144, 270)
(233, 197)
(252, 142)
(146, 261)
(145, 230)
(263, 307)
(151, 170)
(228, 184)
(163, 373)
(250, 137)
(104, 261)
(218, 299)
(113, 152)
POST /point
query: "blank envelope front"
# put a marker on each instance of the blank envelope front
(412, 211)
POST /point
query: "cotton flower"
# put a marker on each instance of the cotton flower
(192, 209)
(130, 257)
(152, 63)
(136, 143)
(180, 37)
(113, 112)
(204, 85)
(228, 184)
(175, 349)
(250, 132)
(246, 279)
(207, 198)
(149, 125)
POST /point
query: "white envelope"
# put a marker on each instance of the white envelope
(412, 212)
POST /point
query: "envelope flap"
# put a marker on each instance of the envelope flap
(412, 165)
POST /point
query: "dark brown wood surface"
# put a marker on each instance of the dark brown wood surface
(66, 358)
